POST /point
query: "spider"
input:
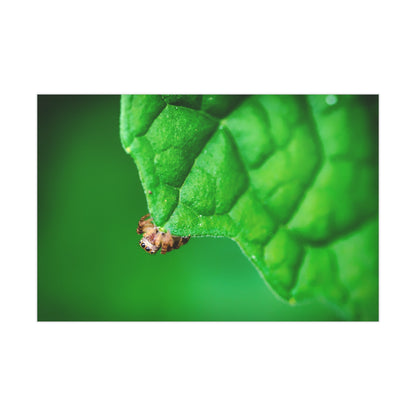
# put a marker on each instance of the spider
(153, 239)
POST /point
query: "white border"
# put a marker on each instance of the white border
(207, 368)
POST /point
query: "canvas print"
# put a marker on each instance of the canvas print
(208, 208)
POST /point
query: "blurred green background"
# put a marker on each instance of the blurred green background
(90, 267)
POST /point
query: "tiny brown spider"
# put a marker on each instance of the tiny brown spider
(153, 239)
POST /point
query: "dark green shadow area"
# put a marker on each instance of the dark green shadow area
(90, 267)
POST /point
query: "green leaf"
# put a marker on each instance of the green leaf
(292, 179)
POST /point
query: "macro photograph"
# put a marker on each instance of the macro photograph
(208, 208)
(220, 197)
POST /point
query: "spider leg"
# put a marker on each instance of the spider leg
(167, 242)
(144, 224)
(180, 241)
(158, 239)
(144, 217)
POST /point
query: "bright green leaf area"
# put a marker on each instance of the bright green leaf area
(292, 179)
